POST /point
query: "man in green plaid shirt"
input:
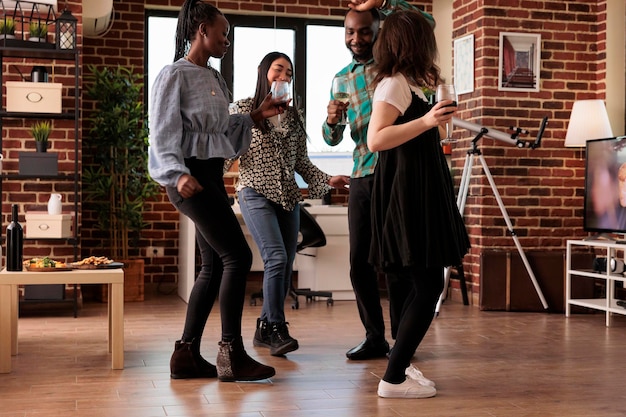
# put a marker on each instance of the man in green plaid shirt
(361, 28)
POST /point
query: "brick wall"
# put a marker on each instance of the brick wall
(541, 189)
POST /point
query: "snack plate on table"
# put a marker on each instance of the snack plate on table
(48, 269)
(46, 265)
(96, 262)
(112, 265)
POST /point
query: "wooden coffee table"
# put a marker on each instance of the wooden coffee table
(9, 282)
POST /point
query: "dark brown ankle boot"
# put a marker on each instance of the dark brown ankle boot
(234, 364)
(186, 362)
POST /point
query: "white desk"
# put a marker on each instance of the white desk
(327, 270)
(9, 282)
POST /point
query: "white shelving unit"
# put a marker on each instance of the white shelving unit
(608, 304)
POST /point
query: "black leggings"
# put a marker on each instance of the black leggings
(417, 314)
(226, 257)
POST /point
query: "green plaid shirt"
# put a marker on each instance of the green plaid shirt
(360, 108)
(359, 112)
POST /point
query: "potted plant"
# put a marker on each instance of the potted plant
(7, 28)
(38, 32)
(41, 132)
(116, 183)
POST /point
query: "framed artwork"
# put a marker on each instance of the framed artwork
(464, 64)
(519, 65)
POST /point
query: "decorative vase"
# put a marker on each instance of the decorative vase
(54, 204)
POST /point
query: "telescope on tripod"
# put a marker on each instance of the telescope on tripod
(474, 151)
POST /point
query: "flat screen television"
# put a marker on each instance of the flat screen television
(605, 186)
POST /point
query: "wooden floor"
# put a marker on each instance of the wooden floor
(484, 364)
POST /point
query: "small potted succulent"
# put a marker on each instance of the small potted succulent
(38, 32)
(41, 132)
(7, 28)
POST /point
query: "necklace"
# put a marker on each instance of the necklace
(189, 59)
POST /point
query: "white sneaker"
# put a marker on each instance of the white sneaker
(408, 389)
(417, 375)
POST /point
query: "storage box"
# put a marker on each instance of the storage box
(38, 163)
(44, 225)
(30, 97)
(506, 286)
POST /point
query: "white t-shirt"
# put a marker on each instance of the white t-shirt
(396, 90)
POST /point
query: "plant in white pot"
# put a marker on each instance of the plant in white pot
(7, 28)
(38, 32)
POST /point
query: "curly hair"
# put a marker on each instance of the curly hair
(406, 44)
(191, 16)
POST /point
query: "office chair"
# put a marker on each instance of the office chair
(311, 236)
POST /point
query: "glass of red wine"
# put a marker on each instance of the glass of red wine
(281, 92)
(447, 92)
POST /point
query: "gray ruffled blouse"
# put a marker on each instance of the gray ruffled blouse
(189, 118)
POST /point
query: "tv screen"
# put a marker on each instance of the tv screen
(605, 186)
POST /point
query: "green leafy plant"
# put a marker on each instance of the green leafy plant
(41, 131)
(7, 26)
(117, 183)
(38, 30)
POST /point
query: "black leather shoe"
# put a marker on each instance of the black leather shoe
(368, 350)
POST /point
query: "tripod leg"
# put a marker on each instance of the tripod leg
(505, 215)
(461, 273)
(464, 185)
(446, 282)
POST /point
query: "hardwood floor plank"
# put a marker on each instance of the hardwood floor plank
(491, 364)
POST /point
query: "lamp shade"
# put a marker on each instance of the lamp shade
(589, 120)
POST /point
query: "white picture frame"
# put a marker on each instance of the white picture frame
(519, 64)
(464, 64)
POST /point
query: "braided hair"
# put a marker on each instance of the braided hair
(191, 16)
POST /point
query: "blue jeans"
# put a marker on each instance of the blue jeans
(275, 231)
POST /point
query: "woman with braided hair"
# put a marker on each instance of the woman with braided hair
(191, 134)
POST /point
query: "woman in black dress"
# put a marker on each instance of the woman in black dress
(417, 228)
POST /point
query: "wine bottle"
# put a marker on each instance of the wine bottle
(15, 243)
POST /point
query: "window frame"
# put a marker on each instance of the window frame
(297, 24)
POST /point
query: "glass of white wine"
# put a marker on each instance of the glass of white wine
(281, 91)
(447, 92)
(341, 92)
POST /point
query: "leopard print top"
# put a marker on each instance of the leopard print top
(269, 165)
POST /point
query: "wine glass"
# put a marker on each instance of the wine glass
(341, 92)
(447, 92)
(281, 92)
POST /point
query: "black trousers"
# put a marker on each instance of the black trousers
(362, 275)
(226, 257)
(417, 315)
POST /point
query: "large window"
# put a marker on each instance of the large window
(316, 47)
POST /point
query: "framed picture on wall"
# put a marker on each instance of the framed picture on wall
(464, 64)
(519, 64)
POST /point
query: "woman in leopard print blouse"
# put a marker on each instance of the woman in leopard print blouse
(269, 195)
